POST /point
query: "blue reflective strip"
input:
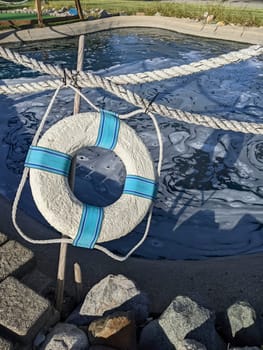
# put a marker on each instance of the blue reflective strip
(48, 160)
(89, 227)
(140, 186)
(108, 130)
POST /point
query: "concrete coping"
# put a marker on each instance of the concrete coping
(250, 35)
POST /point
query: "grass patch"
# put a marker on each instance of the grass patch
(224, 13)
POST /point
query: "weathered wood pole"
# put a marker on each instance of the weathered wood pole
(63, 246)
(39, 13)
(79, 9)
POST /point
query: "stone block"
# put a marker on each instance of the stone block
(115, 293)
(15, 260)
(37, 281)
(116, 330)
(5, 344)
(240, 325)
(66, 337)
(23, 312)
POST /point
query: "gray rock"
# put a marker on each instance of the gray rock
(184, 318)
(240, 315)
(103, 14)
(154, 338)
(23, 312)
(15, 259)
(116, 330)
(66, 336)
(5, 344)
(189, 344)
(115, 293)
(240, 326)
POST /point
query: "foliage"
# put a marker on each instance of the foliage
(221, 12)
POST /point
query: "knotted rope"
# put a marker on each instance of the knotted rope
(92, 80)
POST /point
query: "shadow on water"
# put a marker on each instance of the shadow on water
(176, 233)
(187, 225)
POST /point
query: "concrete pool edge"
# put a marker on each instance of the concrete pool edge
(250, 35)
(216, 282)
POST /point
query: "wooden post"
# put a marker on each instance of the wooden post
(79, 68)
(78, 282)
(63, 246)
(39, 13)
(80, 12)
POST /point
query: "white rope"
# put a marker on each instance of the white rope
(84, 97)
(186, 69)
(93, 80)
(23, 181)
(26, 171)
(145, 77)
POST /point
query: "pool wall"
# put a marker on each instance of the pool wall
(250, 35)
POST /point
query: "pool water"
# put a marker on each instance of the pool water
(210, 192)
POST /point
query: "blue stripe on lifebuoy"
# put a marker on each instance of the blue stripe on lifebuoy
(48, 160)
(139, 186)
(89, 227)
(108, 130)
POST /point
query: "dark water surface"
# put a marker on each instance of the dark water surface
(211, 189)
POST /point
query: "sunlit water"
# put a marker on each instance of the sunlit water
(210, 193)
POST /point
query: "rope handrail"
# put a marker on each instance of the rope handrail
(186, 69)
(92, 80)
(143, 77)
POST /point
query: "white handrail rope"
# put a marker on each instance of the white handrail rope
(143, 77)
(96, 81)
(186, 69)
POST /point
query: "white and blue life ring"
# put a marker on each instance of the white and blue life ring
(49, 162)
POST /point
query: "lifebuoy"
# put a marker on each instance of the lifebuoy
(49, 162)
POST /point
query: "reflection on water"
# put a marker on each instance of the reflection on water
(210, 193)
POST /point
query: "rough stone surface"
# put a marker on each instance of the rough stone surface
(3, 238)
(154, 338)
(240, 326)
(240, 315)
(115, 293)
(23, 312)
(15, 259)
(116, 330)
(66, 336)
(184, 318)
(103, 14)
(189, 344)
(5, 344)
